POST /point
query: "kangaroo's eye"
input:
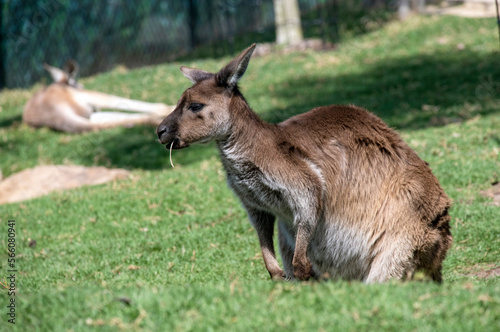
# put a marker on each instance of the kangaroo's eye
(196, 107)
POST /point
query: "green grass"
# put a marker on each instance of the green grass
(174, 244)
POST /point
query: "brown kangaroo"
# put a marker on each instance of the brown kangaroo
(66, 106)
(353, 201)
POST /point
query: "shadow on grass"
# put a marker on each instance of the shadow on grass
(413, 92)
(9, 122)
(136, 147)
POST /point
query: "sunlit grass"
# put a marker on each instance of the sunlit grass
(171, 249)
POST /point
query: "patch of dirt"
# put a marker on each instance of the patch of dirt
(41, 180)
(470, 8)
(493, 193)
(486, 273)
(307, 44)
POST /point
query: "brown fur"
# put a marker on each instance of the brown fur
(352, 199)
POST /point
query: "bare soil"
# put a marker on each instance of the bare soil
(494, 193)
(42, 180)
(486, 272)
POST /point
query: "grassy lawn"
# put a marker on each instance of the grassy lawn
(171, 249)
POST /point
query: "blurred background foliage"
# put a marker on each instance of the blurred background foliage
(103, 34)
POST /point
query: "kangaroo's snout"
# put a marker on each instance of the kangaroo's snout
(168, 134)
(167, 130)
(162, 132)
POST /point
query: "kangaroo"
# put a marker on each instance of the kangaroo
(352, 200)
(66, 106)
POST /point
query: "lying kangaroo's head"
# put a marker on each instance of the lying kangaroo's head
(67, 75)
(203, 111)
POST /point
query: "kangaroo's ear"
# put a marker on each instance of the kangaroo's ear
(234, 70)
(58, 75)
(71, 67)
(195, 75)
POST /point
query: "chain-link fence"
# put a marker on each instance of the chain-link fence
(102, 34)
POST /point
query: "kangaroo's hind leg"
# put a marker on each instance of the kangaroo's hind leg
(438, 242)
(394, 262)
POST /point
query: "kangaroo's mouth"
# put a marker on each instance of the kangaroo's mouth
(176, 144)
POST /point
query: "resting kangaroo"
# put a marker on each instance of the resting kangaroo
(352, 200)
(66, 106)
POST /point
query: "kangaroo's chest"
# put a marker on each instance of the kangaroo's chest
(258, 190)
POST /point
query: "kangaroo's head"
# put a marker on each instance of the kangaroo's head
(67, 75)
(203, 113)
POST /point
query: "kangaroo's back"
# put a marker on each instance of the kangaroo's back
(353, 142)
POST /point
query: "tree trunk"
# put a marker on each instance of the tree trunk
(408, 6)
(404, 9)
(287, 21)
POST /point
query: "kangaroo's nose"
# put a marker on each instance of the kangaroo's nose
(161, 130)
